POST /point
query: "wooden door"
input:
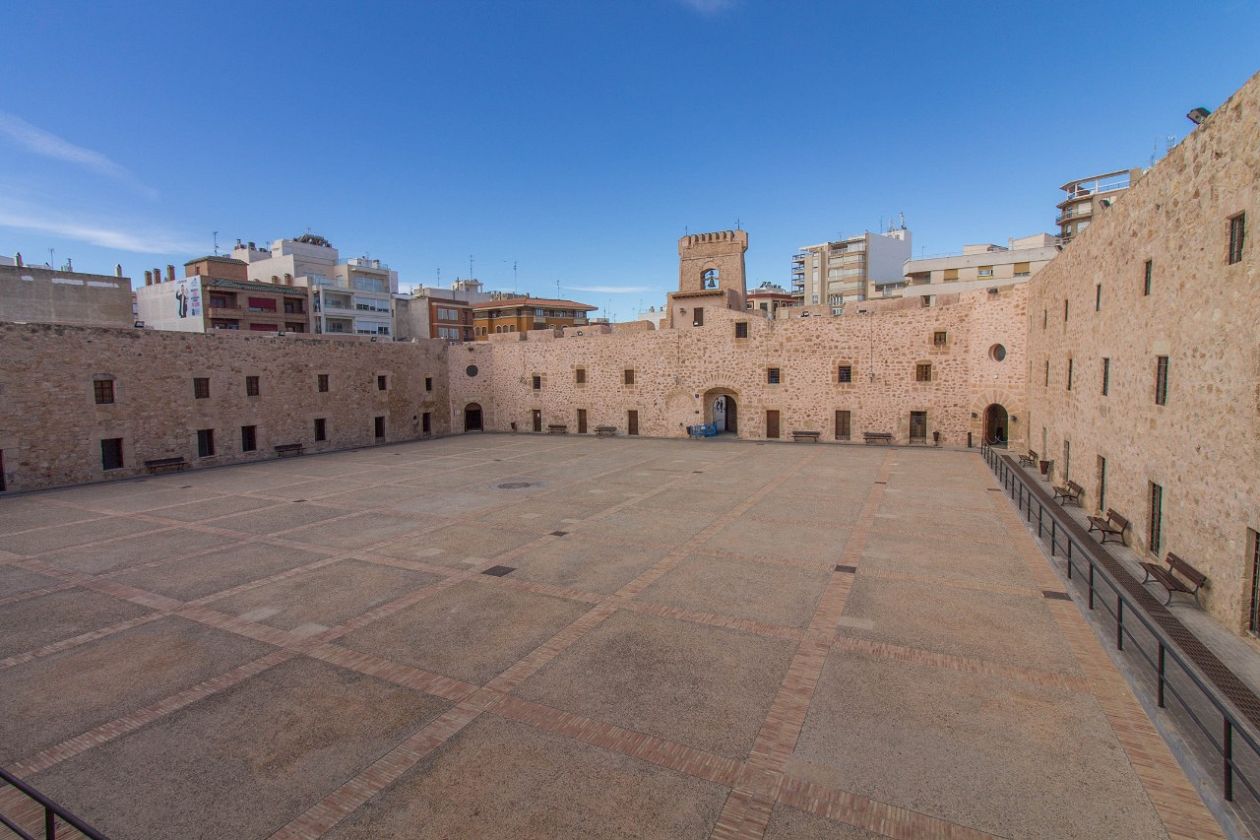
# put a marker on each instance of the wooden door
(772, 424)
(632, 423)
(581, 421)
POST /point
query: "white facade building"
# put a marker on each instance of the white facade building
(831, 273)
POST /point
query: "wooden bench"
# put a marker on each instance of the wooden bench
(1069, 492)
(1166, 578)
(812, 437)
(557, 429)
(283, 449)
(605, 431)
(885, 438)
(157, 465)
(1028, 460)
(1112, 525)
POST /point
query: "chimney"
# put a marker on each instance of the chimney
(118, 269)
(157, 275)
(170, 273)
(18, 257)
(148, 278)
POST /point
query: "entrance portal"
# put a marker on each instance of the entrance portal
(472, 417)
(996, 430)
(721, 410)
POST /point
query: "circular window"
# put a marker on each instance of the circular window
(471, 370)
(997, 352)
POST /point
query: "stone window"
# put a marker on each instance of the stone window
(1102, 483)
(1067, 459)
(846, 374)
(103, 391)
(321, 428)
(579, 376)
(322, 383)
(428, 383)
(997, 353)
(1146, 278)
(471, 370)
(1065, 311)
(1047, 373)
(537, 382)
(382, 381)
(1237, 233)
(923, 372)
(741, 329)
(1155, 537)
(378, 427)
(697, 316)
(628, 376)
(111, 454)
(249, 438)
(205, 443)
(1161, 380)
(1069, 376)
(709, 278)
(251, 386)
(940, 338)
(1106, 379)
(1098, 298)
(201, 388)
(772, 376)
(1045, 318)
(1253, 552)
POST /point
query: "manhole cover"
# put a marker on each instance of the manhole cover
(515, 485)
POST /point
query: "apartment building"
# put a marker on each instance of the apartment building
(769, 298)
(521, 314)
(832, 273)
(42, 295)
(351, 297)
(1089, 196)
(216, 294)
(435, 312)
(975, 267)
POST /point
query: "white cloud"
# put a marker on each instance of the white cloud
(46, 144)
(611, 290)
(708, 7)
(136, 241)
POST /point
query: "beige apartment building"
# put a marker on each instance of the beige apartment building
(1087, 197)
(976, 267)
(833, 273)
(38, 294)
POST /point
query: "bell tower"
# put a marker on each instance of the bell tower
(710, 272)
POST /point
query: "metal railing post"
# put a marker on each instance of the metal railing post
(1053, 528)
(1160, 691)
(1119, 622)
(1091, 584)
(50, 824)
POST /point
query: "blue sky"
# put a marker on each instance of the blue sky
(580, 139)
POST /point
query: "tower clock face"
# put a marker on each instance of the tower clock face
(709, 279)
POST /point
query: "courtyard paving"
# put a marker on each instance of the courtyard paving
(692, 639)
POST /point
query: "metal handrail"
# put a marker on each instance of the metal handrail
(52, 812)
(1232, 723)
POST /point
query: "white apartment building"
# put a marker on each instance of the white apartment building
(978, 266)
(832, 273)
(352, 297)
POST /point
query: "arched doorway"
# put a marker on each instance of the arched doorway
(721, 410)
(472, 417)
(996, 425)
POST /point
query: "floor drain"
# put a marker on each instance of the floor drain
(499, 571)
(514, 485)
(296, 501)
(559, 533)
(1055, 596)
(851, 570)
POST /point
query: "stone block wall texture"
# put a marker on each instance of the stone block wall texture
(1202, 447)
(674, 370)
(51, 426)
(42, 295)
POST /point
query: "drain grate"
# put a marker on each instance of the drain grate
(499, 571)
(1055, 596)
(994, 489)
(849, 570)
(881, 482)
(515, 485)
(559, 533)
(298, 501)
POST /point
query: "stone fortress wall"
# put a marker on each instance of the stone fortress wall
(1202, 313)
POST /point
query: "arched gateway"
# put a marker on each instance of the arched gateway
(996, 425)
(472, 417)
(721, 409)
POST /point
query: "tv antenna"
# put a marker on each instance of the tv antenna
(216, 243)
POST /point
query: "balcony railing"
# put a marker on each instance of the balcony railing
(52, 813)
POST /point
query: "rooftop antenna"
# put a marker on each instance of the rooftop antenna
(901, 219)
(216, 243)
(470, 266)
(737, 227)
(52, 258)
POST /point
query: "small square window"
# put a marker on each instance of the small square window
(103, 391)
(741, 329)
(537, 382)
(251, 386)
(381, 382)
(201, 388)
(697, 316)
(249, 438)
(321, 428)
(923, 372)
(629, 376)
(323, 383)
(846, 373)
(1237, 233)
(939, 339)
(579, 376)
(772, 376)
(428, 383)
(205, 443)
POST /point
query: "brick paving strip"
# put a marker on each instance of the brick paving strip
(1174, 798)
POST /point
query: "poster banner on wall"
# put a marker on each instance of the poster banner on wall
(188, 297)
